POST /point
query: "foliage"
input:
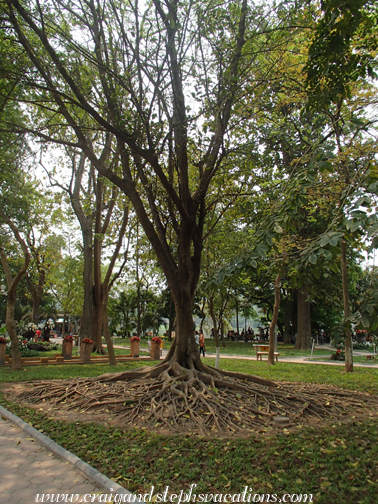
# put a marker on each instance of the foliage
(343, 49)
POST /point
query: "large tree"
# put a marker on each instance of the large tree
(162, 82)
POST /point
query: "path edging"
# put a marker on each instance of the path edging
(85, 469)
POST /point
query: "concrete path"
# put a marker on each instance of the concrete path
(295, 360)
(28, 469)
(31, 472)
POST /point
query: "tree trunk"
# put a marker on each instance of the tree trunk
(273, 323)
(237, 314)
(303, 341)
(348, 332)
(108, 336)
(215, 326)
(288, 315)
(170, 320)
(98, 315)
(37, 296)
(11, 328)
(12, 284)
(86, 317)
(184, 349)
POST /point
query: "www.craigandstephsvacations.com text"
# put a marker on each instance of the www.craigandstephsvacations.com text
(247, 496)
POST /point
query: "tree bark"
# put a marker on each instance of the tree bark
(86, 224)
(237, 313)
(288, 315)
(86, 317)
(11, 328)
(97, 285)
(348, 332)
(303, 341)
(273, 323)
(215, 326)
(12, 284)
(108, 336)
(37, 296)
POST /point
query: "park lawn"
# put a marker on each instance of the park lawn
(335, 462)
(362, 379)
(237, 348)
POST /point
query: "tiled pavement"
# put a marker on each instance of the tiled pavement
(27, 469)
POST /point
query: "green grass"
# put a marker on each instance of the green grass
(336, 463)
(362, 379)
(61, 372)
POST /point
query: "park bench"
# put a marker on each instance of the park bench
(370, 356)
(264, 350)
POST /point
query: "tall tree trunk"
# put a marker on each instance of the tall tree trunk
(303, 341)
(37, 296)
(288, 315)
(184, 349)
(215, 326)
(348, 332)
(170, 320)
(108, 336)
(273, 323)
(98, 315)
(97, 284)
(237, 314)
(11, 328)
(86, 317)
(12, 284)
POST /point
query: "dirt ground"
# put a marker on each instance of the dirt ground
(62, 412)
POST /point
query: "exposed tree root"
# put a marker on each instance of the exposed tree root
(172, 397)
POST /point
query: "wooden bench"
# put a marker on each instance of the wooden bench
(260, 354)
(371, 356)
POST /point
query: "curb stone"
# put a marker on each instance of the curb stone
(92, 474)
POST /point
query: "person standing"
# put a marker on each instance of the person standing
(202, 343)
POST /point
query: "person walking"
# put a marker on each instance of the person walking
(202, 343)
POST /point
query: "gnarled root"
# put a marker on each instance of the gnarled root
(172, 397)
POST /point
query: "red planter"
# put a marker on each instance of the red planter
(134, 348)
(155, 351)
(67, 349)
(85, 351)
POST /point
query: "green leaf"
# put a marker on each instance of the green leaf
(325, 166)
(333, 267)
(312, 259)
(324, 241)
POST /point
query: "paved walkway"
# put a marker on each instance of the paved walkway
(34, 468)
(28, 469)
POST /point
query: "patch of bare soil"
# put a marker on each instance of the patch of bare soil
(222, 403)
